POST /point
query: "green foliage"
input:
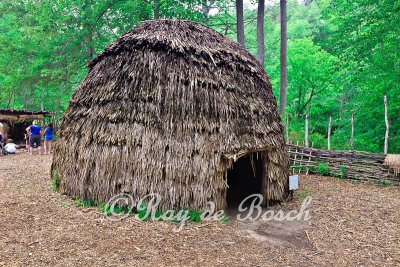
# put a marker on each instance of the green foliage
(78, 203)
(54, 180)
(343, 172)
(385, 182)
(309, 77)
(142, 212)
(88, 203)
(84, 203)
(323, 169)
(225, 220)
(102, 207)
(119, 210)
(195, 216)
(343, 56)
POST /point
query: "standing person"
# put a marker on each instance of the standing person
(1, 133)
(48, 137)
(34, 132)
(1, 139)
(26, 137)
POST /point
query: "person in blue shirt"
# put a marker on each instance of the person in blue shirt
(34, 132)
(48, 137)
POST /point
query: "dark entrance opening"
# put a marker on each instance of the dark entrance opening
(18, 131)
(244, 179)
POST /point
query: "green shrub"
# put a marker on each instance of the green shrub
(343, 171)
(323, 169)
(78, 203)
(313, 169)
(88, 203)
(84, 203)
(142, 212)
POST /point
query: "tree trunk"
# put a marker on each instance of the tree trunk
(10, 99)
(387, 126)
(205, 8)
(25, 100)
(42, 99)
(329, 132)
(283, 91)
(287, 129)
(260, 32)
(306, 132)
(352, 133)
(240, 23)
(156, 10)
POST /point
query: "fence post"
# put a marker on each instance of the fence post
(387, 125)
(306, 131)
(329, 132)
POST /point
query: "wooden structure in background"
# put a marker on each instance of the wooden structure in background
(16, 121)
(345, 164)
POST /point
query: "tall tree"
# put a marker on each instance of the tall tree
(156, 9)
(240, 22)
(283, 91)
(260, 32)
(205, 8)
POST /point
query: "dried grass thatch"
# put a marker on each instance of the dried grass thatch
(165, 108)
(393, 162)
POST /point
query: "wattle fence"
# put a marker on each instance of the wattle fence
(353, 165)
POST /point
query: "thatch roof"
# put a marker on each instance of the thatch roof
(393, 162)
(165, 109)
(20, 115)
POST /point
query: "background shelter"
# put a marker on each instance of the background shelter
(15, 122)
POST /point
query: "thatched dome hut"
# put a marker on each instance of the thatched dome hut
(174, 108)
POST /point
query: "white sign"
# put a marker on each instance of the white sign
(293, 182)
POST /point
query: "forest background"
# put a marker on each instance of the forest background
(343, 56)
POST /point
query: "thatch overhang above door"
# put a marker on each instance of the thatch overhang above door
(241, 153)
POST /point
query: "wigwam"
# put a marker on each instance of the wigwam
(174, 108)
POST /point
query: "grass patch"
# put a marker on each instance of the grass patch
(225, 220)
(385, 182)
(302, 194)
(54, 180)
(195, 215)
(84, 203)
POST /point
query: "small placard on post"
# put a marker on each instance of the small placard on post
(293, 182)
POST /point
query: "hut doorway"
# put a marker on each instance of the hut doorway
(244, 179)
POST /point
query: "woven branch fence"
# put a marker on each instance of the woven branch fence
(344, 164)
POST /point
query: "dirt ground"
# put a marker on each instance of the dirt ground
(350, 225)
